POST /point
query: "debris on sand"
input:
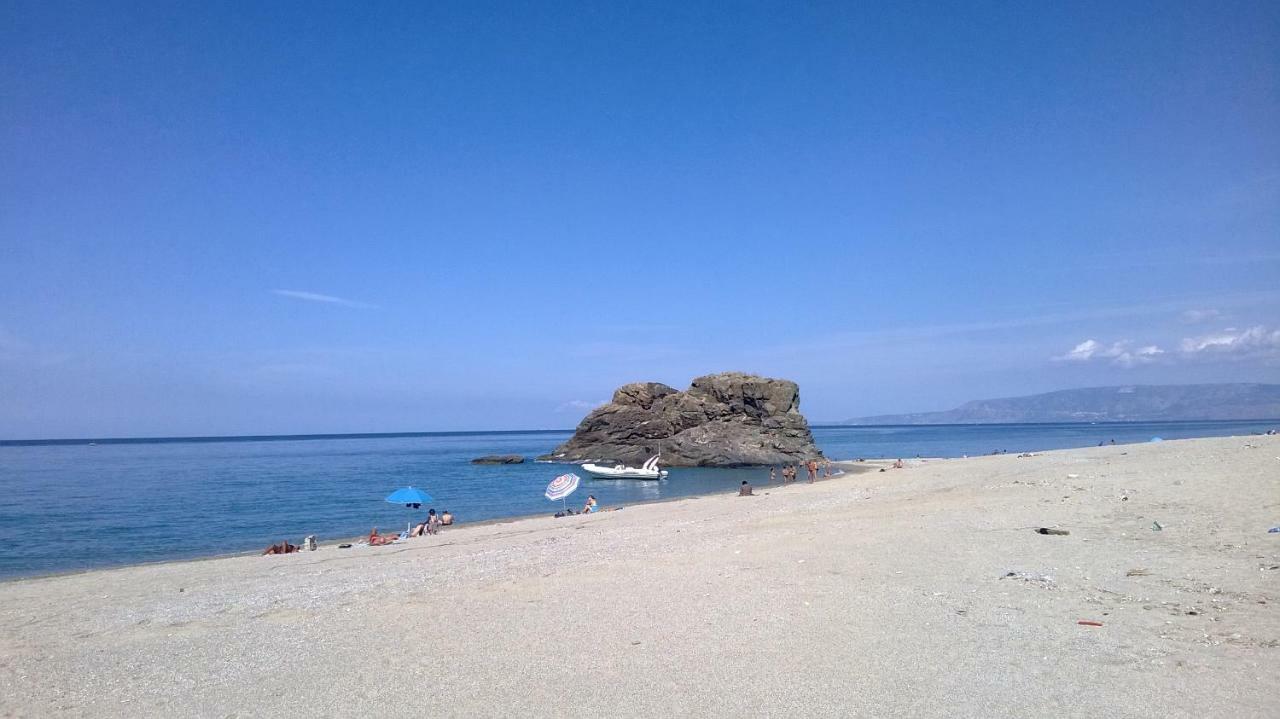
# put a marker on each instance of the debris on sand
(1029, 577)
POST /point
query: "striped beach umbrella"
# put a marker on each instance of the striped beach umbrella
(562, 487)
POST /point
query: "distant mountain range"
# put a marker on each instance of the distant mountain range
(1127, 403)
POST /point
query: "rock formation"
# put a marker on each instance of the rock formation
(499, 459)
(722, 420)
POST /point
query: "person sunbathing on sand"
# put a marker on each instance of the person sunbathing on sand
(590, 506)
(376, 539)
(898, 464)
(745, 490)
(446, 518)
(281, 548)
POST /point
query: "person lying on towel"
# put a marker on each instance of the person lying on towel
(281, 548)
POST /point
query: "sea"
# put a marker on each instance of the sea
(68, 505)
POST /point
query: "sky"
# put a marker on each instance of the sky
(251, 218)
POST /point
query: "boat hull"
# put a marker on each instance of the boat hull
(600, 472)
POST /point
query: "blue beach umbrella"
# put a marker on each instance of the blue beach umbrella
(410, 497)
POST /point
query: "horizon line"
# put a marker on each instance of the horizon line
(56, 441)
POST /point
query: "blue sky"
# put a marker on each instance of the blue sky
(274, 217)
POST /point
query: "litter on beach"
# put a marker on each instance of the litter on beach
(1029, 577)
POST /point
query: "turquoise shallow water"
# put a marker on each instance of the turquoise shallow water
(74, 506)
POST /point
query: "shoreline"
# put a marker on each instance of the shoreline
(847, 466)
(847, 582)
(68, 555)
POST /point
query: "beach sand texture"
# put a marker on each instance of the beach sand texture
(877, 594)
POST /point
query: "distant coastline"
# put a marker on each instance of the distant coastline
(1121, 403)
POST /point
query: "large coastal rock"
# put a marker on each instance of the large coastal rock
(722, 420)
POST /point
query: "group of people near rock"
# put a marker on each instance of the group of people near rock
(791, 473)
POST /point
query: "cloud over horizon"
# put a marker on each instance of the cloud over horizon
(1256, 341)
(1119, 353)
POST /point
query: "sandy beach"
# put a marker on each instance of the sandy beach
(923, 591)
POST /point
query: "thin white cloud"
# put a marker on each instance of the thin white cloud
(1195, 317)
(1255, 341)
(580, 405)
(1119, 353)
(325, 299)
(635, 351)
(1038, 316)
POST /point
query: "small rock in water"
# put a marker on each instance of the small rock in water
(499, 459)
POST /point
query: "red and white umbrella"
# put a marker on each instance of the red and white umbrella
(562, 487)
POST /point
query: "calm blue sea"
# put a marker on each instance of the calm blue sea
(70, 506)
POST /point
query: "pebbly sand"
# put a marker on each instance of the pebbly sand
(878, 594)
